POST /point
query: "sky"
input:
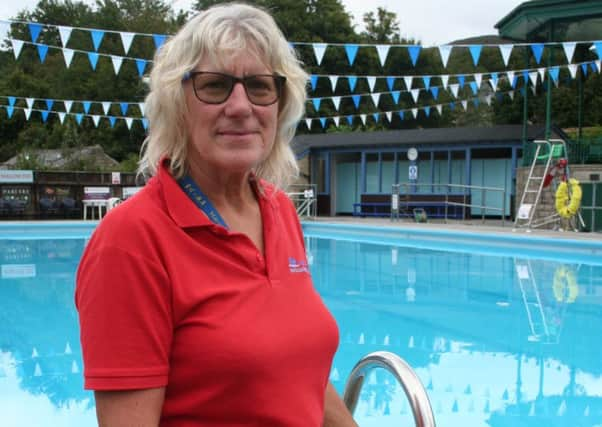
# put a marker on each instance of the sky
(433, 22)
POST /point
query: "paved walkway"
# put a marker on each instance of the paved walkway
(474, 225)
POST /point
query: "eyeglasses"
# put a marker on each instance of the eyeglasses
(215, 88)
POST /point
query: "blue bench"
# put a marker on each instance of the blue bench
(433, 209)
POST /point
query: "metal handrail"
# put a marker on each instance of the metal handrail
(413, 388)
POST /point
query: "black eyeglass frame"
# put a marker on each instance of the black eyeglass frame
(278, 80)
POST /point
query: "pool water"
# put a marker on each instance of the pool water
(497, 340)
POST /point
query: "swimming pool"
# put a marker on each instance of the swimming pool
(502, 330)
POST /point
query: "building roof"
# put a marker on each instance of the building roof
(61, 158)
(553, 20)
(457, 135)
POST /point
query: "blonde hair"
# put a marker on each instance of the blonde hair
(217, 33)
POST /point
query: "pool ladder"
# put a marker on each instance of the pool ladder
(413, 388)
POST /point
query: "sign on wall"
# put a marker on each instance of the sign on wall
(16, 176)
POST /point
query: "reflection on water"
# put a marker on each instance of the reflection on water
(41, 381)
(497, 341)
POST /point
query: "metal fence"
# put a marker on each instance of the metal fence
(304, 196)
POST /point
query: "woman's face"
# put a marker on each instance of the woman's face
(236, 135)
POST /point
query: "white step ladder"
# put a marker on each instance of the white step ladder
(546, 150)
(532, 301)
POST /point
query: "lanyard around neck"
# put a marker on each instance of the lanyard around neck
(198, 197)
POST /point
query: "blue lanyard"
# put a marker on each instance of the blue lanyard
(198, 197)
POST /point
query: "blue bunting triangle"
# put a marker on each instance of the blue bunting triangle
(598, 46)
(401, 115)
(473, 86)
(145, 123)
(494, 77)
(514, 81)
(352, 82)
(93, 57)
(141, 66)
(356, 101)
(313, 80)
(97, 36)
(112, 120)
(11, 100)
(34, 31)
(44, 115)
(78, 118)
(323, 122)
(316, 102)
(461, 79)
(351, 50)
(526, 76)
(375, 116)
(594, 67)
(159, 39)
(87, 105)
(124, 108)
(475, 51)
(427, 111)
(42, 51)
(452, 106)
(584, 69)
(395, 96)
(390, 82)
(10, 110)
(350, 120)
(435, 92)
(427, 82)
(49, 104)
(537, 49)
(414, 51)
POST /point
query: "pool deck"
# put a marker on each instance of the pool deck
(471, 226)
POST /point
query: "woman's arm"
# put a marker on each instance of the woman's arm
(335, 411)
(140, 408)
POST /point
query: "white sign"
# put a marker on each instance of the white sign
(413, 172)
(130, 191)
(524, 211)
(18, 271)
(115, 178)
(16, 176)
(394, 202)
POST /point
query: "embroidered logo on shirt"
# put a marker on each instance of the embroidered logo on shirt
(297, 266)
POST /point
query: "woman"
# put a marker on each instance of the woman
(195, 301)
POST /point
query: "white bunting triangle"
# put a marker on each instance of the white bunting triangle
(454, 89)
(319, 49)
(65, 34)
(128, 122)
(363, 118)
(126, 40)
(27, 112)
(444, 80)
(389, 116)
(68, 105)
(598, 65)
(61, 117)
(17, 46)
(444, 51)
(68, 56)
(333, 81)
(116, 60)
(493, 83)
(336, 100)
(542, 73)
(142, 107)
(533, 77)
(337, 120)
(506, 50)
(439, 108)
(308, 123)
(383, 52)
(415, 93)
(534, 90)
(375, 98)
(478, 78)
(371, 82)
(414, 112)
(408, 81)
(488, 100)
(95, 119)
(106, 105)
(464, 104)
(511, 94)
(569, 50)
(510, 75)
(573, 70)
(29, 102)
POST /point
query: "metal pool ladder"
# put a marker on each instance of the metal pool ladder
(414, 390)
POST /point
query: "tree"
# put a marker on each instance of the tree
(382, 28)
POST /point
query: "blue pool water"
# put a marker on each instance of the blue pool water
(502, 330)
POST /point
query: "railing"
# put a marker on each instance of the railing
(482, 205)
(413, 388)
(304, 198)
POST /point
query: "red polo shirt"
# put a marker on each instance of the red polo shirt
(166, 298)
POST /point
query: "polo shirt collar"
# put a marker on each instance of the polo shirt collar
(183, 210)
